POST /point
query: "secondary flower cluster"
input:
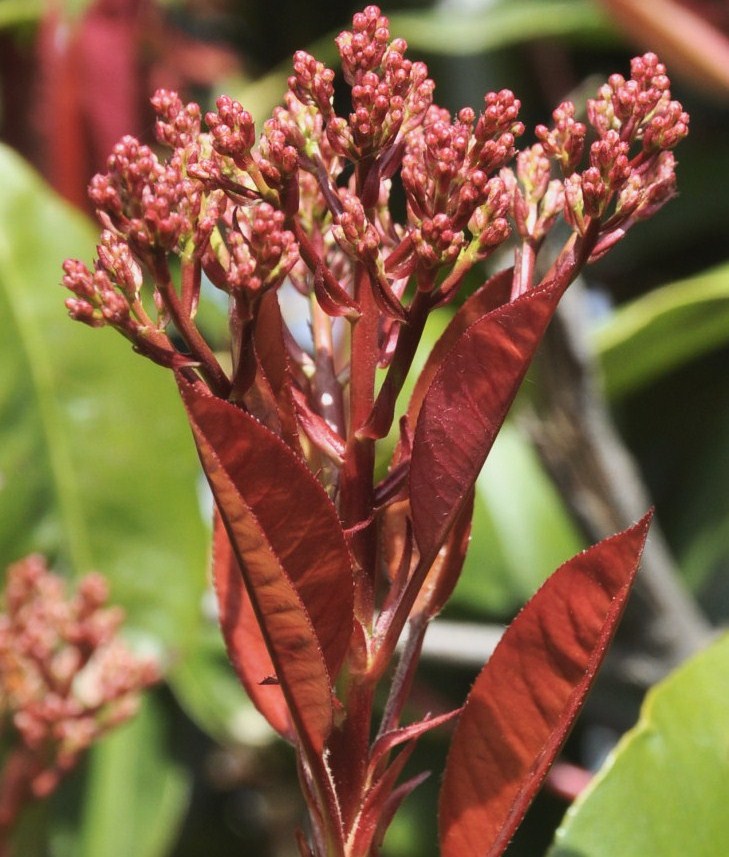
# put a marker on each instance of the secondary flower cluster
(66, 678)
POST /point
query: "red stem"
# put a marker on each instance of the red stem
(408, 339)
(200, 350)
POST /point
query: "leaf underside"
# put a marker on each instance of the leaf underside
(526, 698)
(244, 641)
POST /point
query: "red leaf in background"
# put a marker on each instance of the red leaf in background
(291, 508)
(526, 698)
(243, 639)
(465, 407)
(684, 34)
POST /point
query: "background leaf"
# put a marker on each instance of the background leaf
(137, 791)
(521, 531)
(664, 329)
(97, 468)
(663, 789)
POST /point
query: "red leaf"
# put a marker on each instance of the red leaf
(465, 407)
(443, 575)
(292, 509)
(492, 294)
(274, 363)
(285, 533)
(526, 698)
(387, 742)
(243, 639)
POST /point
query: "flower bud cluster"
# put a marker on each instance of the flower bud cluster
(621, 187)
(109, 294)
(66, 677)
(641, 107)
(309, 197)
(352, 230)
(566, 141)
(233, 130)
(390, 94)
(261, 251)
(537, 200)
(178, 124)
(446, 171)
(153, 205)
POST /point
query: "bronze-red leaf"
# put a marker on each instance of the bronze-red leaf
(465, 407)
(244, 641)
(526, 698)
(292, 509)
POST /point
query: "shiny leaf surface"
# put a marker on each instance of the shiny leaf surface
(251, 473)
(243, 639)
(465, 407)
(526, 698)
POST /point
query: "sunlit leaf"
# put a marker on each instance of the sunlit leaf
(137, 792)
(254, 477)
(211, 694)
(664, 329)
(526, 698)
(291, 508)
(467, 402)
(499, 25)
(663, 789)
(492, 294)
(521, 531)
(243, 638)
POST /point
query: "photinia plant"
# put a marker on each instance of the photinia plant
(321, 566)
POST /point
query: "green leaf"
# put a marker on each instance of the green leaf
(499, 26)
(451, 33)
(665, 328)
(208, 689)
(136, 792)
(663, 789)
(97, 469)
(15, 12)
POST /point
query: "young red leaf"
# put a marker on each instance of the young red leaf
(243, 639)
(492, 294)
(291, 508)
(526, 698)
(273, 508)
(465, 407)
(274, 363)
